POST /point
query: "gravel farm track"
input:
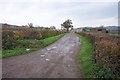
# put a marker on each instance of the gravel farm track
(57, 60)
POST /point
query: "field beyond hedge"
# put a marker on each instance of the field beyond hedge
(115, 35)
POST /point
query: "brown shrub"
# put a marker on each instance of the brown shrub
(32, 33)
(10, 35)
(106, 51)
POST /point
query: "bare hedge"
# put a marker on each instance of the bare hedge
(10, 35)
(106, 53)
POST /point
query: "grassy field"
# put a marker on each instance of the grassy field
(0, 54)
(29, 45)
(115, 34)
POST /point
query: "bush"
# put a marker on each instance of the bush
(8, 40)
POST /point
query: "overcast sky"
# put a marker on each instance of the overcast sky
(53, 13)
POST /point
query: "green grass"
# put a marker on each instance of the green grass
(85, 58)
(50, 40)
(8, 53)
(0, 54)
(33, 45)
(115, 34)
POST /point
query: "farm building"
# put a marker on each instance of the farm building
(86, 29)
(90, 29)
(102, 30)
(77, 30)
(113, 29)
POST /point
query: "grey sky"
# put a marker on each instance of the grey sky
(46, 13)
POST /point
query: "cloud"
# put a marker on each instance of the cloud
(8, 1)
(54, 13)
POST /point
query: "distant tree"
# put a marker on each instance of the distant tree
(37, 26)
(101, 26)
(41, 27)
(67, 24)
(46, 28)
(30, 25)
(72, 28)
(62, 27)
(52, 27)
(22, 26)
(26, 26)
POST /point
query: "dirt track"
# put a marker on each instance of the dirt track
(57, 60)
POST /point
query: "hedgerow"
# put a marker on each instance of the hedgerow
(106, 54)
(11, 35)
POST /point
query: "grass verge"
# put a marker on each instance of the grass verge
(32, 45)
(85, 58)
